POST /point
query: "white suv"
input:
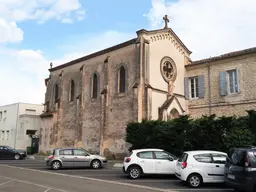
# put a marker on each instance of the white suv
(197, 167)
(149, 161)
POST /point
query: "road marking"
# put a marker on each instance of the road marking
(6, 182)
(48, 190)
(114, 182)
(35, 184)
(92, 179)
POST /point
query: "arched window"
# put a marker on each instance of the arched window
(56, 92)
(121, 79)
(95, 86)
(71, 90)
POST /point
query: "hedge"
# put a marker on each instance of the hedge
(185, 133)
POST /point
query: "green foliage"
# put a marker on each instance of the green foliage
(184, 133)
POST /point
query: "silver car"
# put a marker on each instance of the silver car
(74, 158)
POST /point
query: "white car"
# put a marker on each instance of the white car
(197, 167)
(149, 161)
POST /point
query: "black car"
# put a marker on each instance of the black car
(7, 152)
(240, 169)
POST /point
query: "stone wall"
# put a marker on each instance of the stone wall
(97, 124)
(235, 104)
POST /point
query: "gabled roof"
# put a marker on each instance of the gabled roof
(167, 30)
(223, 56)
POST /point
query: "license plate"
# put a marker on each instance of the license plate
(231, 176)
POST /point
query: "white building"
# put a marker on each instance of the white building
(17, 121)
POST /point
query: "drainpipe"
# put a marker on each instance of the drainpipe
(209, 89)
(17, 123)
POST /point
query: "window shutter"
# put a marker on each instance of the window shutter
(223, 83)
(186, 89)
(238, 80)
(201, 86)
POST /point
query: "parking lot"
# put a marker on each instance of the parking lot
(17, 175)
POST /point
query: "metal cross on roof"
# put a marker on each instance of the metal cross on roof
(166, 20)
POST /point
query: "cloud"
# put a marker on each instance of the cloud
(208, 28)
(40, 10)
(10, 32)
(22, 72)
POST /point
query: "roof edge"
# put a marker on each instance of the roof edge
(223, 56)
(95, 54)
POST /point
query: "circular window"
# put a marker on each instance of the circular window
(168, 69)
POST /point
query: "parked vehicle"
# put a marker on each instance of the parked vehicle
(197, 167)
(240, 169)
(7, 152)
(149, 161)
(74, 158)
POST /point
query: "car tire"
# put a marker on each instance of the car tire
(194, 180)
(17, 157)
(134, 172)
(95, 164)
(56, 165)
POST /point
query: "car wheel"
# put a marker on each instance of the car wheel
(95, 164)
(17, 156)
(56, 165)
(194, 180)
(134, 172)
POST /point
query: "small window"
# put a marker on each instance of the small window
(183, 157)
(80, 152)
(219, 158)
(233, 81)
(1, 115)
(95, 86)
(121, 80)
(71, 90)
(252, 156)
(66, 152)
(194, 88)
(56, 93)
(7, 135)
(203, 158)
(145, 155)
(161, 155)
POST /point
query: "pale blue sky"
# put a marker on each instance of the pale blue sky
(34, 33)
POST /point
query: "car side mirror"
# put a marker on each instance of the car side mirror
(170, 158)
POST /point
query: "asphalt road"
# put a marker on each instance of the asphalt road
(17, 175)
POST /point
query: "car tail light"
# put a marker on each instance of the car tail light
(127, 160)
(184, 165)
(51, 157)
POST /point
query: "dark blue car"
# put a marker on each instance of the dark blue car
(240, 169)
(7, 152)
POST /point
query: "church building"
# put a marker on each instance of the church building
(90, 100)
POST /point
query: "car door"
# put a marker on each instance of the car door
(8, 153)
(2, 152)
(219, 161)
(165, 163)
(204, 166)
(81, 158)
(147, 162)
(67, 158)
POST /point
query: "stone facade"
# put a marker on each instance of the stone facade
(213, 101)
(90, 100)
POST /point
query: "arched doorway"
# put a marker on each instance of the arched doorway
(173, 114)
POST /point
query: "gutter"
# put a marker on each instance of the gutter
(209, 88)
(14, 146)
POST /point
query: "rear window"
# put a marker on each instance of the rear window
(145, 155)
(183, 157)
(237, 157)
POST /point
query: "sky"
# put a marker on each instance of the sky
(34, 33)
